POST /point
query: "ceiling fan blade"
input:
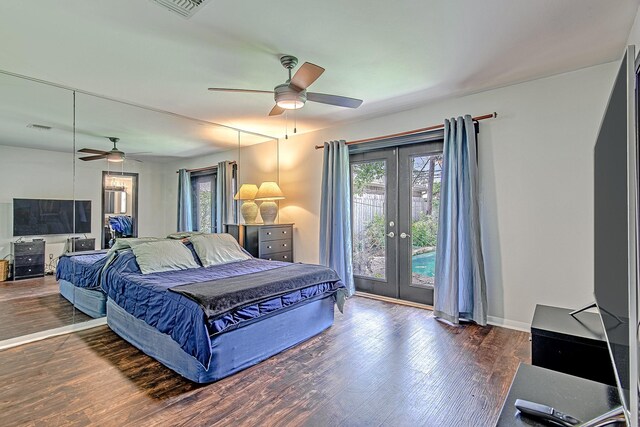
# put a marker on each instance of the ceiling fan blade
(91, 151)
(276, 110)
(306, 74)
(222, 89)
(340, 101)
(101, 156)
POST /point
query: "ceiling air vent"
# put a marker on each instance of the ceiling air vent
(184, 8)
(38, 127)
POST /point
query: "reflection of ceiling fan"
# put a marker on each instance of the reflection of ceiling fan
(113, 155)
(293, 93)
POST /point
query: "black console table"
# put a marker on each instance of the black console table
(581, 398)
(575, 346)
(81, 245)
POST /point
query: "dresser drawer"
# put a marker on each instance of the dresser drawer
(274, 233)
(28, 260)
(280, 256)
(274, 246)
(28, 248)
(28, 271)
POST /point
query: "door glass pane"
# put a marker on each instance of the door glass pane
(369, 212)
(425, 205)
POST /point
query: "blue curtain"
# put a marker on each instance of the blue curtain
(460, 287)
(224, 196)
(335, 213)
(185, 210)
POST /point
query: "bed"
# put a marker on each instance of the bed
(205, 341)
(78, 275)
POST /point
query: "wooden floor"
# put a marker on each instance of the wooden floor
(34, 305)
(379, 364)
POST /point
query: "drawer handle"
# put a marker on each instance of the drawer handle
(29, 259)
(285, 257)
(270, 259)
(284, 232)
(268, 233)
(268, 247)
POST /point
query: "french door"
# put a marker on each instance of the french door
(395, 200)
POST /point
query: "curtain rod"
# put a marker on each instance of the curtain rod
(207, 168)
(409, 132)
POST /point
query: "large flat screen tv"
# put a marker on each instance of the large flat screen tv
(40, 217)
(615, 233)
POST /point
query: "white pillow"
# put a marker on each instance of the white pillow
(217, 249)
(163, 255)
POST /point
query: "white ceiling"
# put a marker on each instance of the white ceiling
(393, 54)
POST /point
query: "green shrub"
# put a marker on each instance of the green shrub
(425, 231)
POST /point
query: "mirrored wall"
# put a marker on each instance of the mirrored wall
(79, 171)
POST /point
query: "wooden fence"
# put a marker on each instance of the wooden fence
(367, 206)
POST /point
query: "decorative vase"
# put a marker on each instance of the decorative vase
(249, 211)
(268, 211)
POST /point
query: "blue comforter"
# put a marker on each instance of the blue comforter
(81, 269)
(148, 297)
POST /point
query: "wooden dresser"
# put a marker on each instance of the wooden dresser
(28, 259)
(273, 242)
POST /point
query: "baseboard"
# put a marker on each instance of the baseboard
(509, 324)
(26, 339)
(491, 320)
(393, 300)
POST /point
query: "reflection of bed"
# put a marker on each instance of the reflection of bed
(177, 331)
(78, 275)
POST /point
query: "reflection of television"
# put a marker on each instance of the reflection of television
(38, 217)
(615, 234)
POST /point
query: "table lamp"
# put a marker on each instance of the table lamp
(249, 209)
(268, 192)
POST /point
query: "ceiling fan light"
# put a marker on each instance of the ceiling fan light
(115, 158)
(290, 104)
(289, 98)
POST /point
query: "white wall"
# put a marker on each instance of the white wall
(28, 173)
(536, 191)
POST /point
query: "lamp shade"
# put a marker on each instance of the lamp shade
(269, 190)
(246, 192)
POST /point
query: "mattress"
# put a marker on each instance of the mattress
(82, 269)
(91, 302)
(148, 298)
(231, 351)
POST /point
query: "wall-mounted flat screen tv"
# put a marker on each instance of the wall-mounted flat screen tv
(39, 217)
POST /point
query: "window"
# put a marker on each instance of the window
(203, 199)
(203, 193)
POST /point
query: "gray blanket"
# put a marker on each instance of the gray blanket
(221, 295)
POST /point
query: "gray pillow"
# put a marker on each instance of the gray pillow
(163, 255)
(217, 249)
(129, 242)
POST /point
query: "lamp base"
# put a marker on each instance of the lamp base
(249, 211)
(268, 211)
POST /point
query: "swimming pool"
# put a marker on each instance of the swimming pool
(424, 264)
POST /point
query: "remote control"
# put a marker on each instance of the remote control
(546, 412)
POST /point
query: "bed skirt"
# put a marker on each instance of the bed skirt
(92, 302)
(231, 351)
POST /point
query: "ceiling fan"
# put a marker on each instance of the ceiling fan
(113, 155)
(293, 93)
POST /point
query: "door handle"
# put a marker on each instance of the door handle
(404, 235)
(391, 234)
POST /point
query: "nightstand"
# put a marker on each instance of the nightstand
(273, 242)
